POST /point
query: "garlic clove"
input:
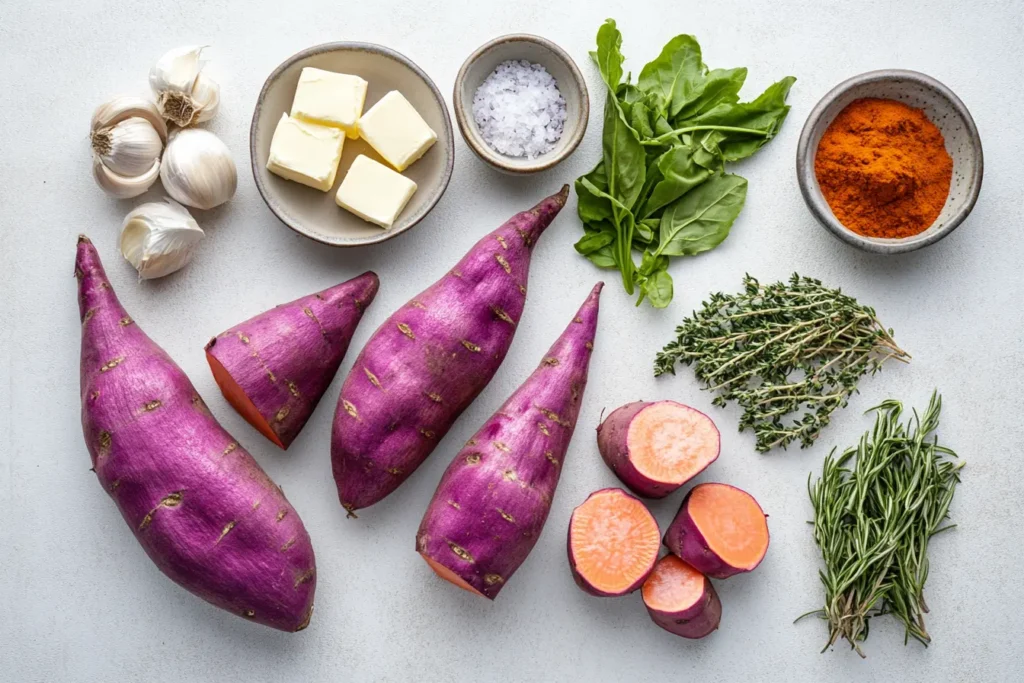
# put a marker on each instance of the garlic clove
(197, 169)
(128, 148)
(159, 238)
(206, 94)
(125, 107)
(124, 187)
(184, 95)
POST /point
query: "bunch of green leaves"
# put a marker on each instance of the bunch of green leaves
(876, 507)
(790, 348)
(661, 186)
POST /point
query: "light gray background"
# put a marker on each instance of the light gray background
(79, 601)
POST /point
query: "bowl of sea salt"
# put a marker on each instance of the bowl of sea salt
(521, 103)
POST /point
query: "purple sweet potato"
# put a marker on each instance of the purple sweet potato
(274, 368)
(613, 543)
(656, 447)
(720, 530)
(430, 359)
(681, 600)
(197, 502)
(491, 505)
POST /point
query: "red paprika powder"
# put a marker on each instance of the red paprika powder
(883, 168)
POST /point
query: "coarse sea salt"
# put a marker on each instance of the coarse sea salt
(519, 110)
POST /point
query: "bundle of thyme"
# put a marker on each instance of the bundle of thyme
(875, 509)
(789, 347)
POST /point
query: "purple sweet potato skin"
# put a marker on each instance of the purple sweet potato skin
(613, 444)
(427, 362)
(686, 541)
(197, 502)
(580, 580)
(285, 358)
(700, 619)
(494, 498)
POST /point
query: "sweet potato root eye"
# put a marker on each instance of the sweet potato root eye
(669, 442)
(614, 541)
(732, 523)
(673, 585)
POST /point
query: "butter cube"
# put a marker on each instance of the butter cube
(329, 99)
(374, 192)
(306, 153)
(396, 130)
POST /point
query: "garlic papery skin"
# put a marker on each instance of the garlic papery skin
(185, 95)
(127, 137)
(159, 238)
(197, 169)
(128, 148)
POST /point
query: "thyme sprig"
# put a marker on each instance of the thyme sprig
(789, 347)
(876, 507)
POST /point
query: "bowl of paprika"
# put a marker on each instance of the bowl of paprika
(890, 161)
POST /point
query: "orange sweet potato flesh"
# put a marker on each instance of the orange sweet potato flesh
(613, 543)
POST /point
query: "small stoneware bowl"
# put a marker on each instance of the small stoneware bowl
(313, 213)
(535, 50)
(943, 108)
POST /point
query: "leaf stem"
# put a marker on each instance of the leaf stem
(666, 138)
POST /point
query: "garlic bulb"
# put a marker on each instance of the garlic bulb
(159, 238)
(197, 169)
(184, 93)
(127, 138)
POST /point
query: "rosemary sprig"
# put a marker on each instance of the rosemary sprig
(789, 347)
(876, 507)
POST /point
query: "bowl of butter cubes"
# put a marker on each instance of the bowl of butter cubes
(351, 143)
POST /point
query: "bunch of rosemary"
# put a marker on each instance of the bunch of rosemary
(873, 518)
(790, 347)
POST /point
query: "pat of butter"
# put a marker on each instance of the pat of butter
(396, 130)
(306, 153)
(374, 192)
(329, 99)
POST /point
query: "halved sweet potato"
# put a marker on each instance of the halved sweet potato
(681, 600)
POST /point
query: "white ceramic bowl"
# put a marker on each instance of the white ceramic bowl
(536, 50)
(942, 107)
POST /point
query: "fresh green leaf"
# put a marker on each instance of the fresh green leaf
(722, 86)
(700, 220)
(608, 55)
(676, 76)
(766, 113)
(593, 207)
(593, 241)
(640, 119)
(644, 233)
(658, 289)
(679, 174)
(603, 258)
(706, 151)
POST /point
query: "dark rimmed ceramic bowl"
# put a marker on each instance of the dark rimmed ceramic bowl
(313, 213)
(479, 65)
(943, 108)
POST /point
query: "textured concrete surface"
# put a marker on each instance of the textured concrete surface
(79, 601)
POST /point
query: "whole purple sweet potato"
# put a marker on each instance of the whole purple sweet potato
(681, 600)
(430, 359)
(197, 502)
(274, 368)
(494, 498)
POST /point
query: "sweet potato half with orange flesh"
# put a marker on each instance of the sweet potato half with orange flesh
(681, 600)
(274, 368)
(720, 530)
(656, 447)
(613, 543)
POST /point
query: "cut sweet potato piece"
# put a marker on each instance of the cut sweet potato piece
(656, 447)
(681, 600)
(613, 543)
(720, 530)
(239, 401)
